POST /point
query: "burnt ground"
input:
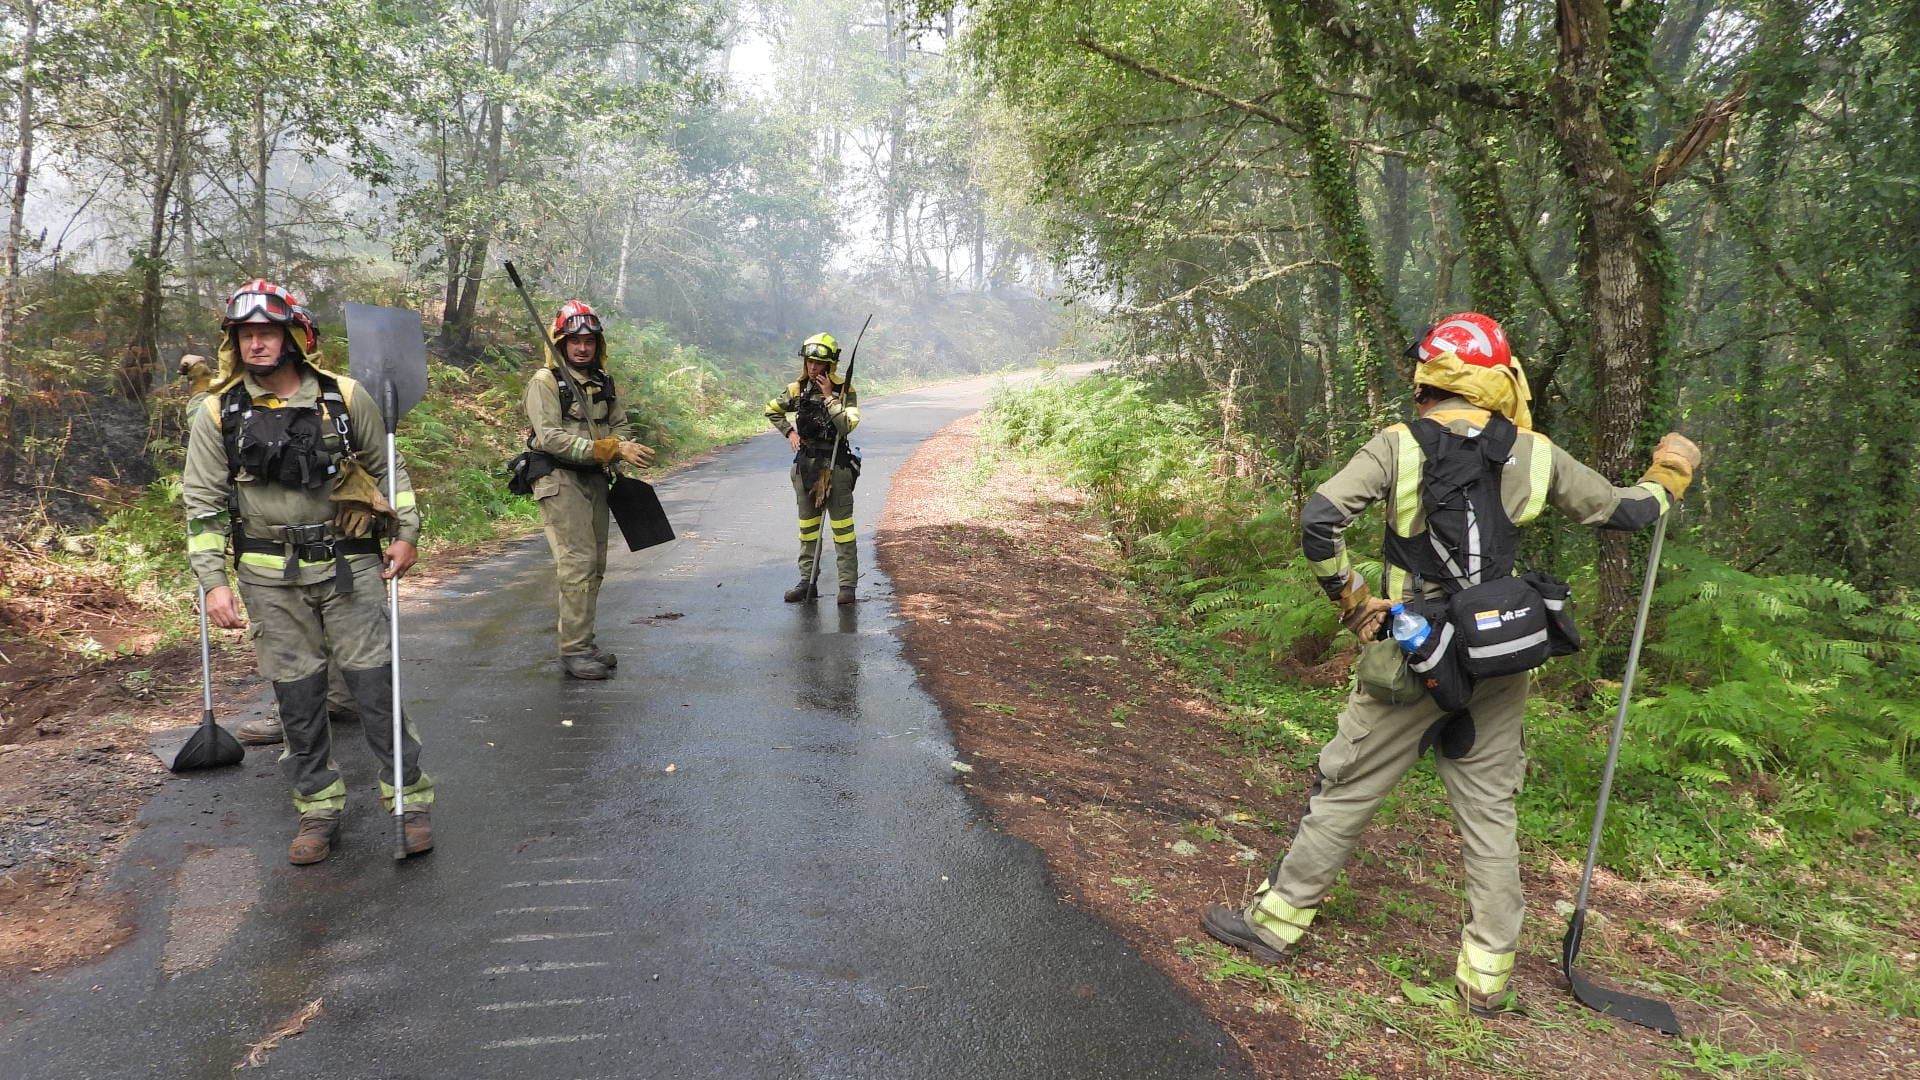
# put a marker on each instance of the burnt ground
(1148, 806)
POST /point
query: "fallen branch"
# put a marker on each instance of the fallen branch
(257, 1053)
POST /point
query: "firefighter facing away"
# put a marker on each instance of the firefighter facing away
(576, 421)
(284, 461)
(816, 414)
(1455, 483)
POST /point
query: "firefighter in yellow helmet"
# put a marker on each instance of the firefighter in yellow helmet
(816, 414)
(285, 461)
(579, 430)
(1455, 484)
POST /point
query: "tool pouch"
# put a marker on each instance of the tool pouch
(1563, 637)
(1436, 664)
(527, 468)
(1502, 627)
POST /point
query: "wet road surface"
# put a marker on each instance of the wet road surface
(745, 856)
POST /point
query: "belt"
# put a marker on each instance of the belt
(312, 543)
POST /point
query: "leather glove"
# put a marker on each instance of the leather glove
(1359, 611)
(1674, 460)
(821, 488)
(1366, 618)
(634, 453)
(198, 372)
(357, 500)
(605, 450)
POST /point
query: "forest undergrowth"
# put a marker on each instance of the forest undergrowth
(1767, 793)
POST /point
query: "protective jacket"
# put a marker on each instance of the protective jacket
(214, 488)
(816, 420)
(1388, 469)
(564, 426)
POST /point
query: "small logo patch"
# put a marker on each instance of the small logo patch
(1486, 620)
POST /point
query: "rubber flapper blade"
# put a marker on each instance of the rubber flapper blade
(635, 506)
(1646, 1012)
(209, 747)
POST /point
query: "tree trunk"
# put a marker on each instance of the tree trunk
(1621, 277)
(140, 358)
(1337, 203)
(626, 252)
(257, 223)
(465, 271)
(16, 228)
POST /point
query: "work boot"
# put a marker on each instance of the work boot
(583, 666)
(314, 842)
(417, 827)
(802, 591)
(1487, 1006)
(846, 596)
(607, 659)
(1228, 926)
(265, 731)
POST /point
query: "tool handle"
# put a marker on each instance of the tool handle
(1620, 715)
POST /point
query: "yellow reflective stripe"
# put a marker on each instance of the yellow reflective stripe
(853, 416)
(843, 538)
(404, 501)
(582, 447)
(840, 523)
(1406, 485)
(1539, 477)
(1395, 585)
(1660, 493)
(1481, 971)
(419, 793)
(331, 797)
(1329, 567)
(808, 523)
(1279, 918)
(279, 562)
(206, 541)
(814, 535)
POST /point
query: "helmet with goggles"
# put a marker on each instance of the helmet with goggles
(261, 301)
(575, 317)
(821, 347)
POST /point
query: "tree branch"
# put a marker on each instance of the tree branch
(1142, 68)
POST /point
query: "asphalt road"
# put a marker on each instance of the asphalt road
(746, 856)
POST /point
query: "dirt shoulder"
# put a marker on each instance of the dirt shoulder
(75, 767)
(1148, 807)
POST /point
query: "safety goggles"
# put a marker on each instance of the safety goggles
(243, 307)
(813, 350)
(580, 324)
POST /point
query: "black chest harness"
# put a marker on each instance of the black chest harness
(1492, 622)
(288, 446)
(533, 464)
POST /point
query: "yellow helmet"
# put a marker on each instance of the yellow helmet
(821, 347)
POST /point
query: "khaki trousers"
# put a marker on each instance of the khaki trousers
(838, 515)
(300, 633)
(1376, 745)
(576, 517)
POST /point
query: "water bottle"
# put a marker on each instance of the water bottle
(1410, 629)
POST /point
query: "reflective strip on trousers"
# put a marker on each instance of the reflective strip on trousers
(1279, 918)
(419, 793)
(331, 797)
(810, 528)
(842, 530)
(1482, 972)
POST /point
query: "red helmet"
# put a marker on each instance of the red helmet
(1469, 335)
(574, 317)
(261, 301)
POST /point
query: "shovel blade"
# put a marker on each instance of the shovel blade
(206, 745)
